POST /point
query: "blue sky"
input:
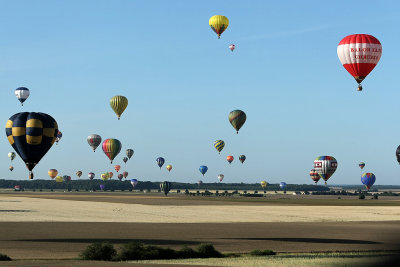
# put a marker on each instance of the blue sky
(182, 82)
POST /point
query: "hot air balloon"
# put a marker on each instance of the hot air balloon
(232, 47)
(165, 187)
(199, 182)
(361, 165)
(203, 169)
(359, 54)
(111, 148)
(59, 179)
(219, 145)
(52, 173)
(314, 175)
(110, 175)
(169, 167)
(66, 178)
(11, 155)
(229, 159)
(91, 175)
(22, 93)
(120, 176)
(59, 136)
(134, 182)
(125, 159)
(105, 176)
(282, 185)
(325, 166)
(221, 177)
(237, 118)
(218, 24)
(102, 187)
(31, 134)
(160, 161)
(125, 174)
(129, 153)
(368, 179)
(264, 184)
(118, 103)
(242, 158)
(11, 168)
(94, 140)
(117, 167)
(398, 154)
(79, 174)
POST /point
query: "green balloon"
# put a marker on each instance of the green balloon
(237, 118)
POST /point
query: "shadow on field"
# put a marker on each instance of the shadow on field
(115, 241)
(309, 240)
(16, 210)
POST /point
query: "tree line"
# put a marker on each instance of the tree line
(114, 185)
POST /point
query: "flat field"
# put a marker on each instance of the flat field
(58, 226)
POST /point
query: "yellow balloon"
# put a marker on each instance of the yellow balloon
(52, 173)
(218, 24)
(59, 179)
(264, 184)
(105, 176)
(118, 103)
(169, 167)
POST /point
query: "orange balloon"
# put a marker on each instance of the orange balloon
(229, 159)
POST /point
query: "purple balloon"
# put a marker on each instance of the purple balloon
(102, 186)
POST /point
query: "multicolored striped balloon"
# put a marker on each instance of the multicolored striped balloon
(117, 167)
(111, 147)
(219, 145)
(119, 103)
(22, 93)
(237, 118)
(79, 174)
(368, 179)
(325, 166)
(125, 174)
(242, 158)
(314, 175)
(361, 165)
(52, 173)
(129, 153)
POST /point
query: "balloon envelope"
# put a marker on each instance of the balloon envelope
(94, 140)
(229, 159)
(11, 155)
(169, 167)
(129, 153)
(165, 187)
(125, 174)
(368, 179)
(102, 187)
(22, 93)
(111, 147)
(242, 158)
(52, 173)
(218, 24)
(221, 177)
(91, 175)
(263, 184)
(219, 145)
(120, 176)
(237, 118)
(31, 134)
(160, 161)
(232, 47)
(314, 175)
(361, 165)
(125, 159)
(359, 54)
(203, 169)
(325, 166)
(117, 167)
(79, 174)
(59, 179)
(59, 136)
(134, 182)
(118, 103)
(282, 185)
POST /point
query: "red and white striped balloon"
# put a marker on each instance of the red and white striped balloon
(359, 54)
